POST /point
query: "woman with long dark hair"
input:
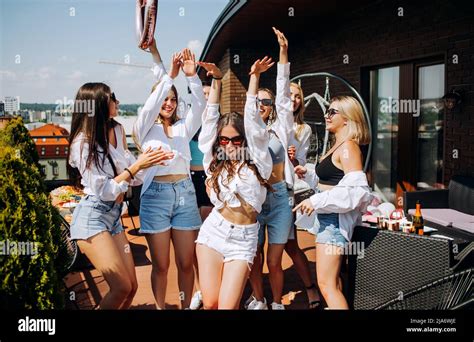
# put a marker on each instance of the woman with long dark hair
(168, 209)
(101, 164)
(237, 164)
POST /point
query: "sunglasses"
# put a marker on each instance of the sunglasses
(330, 112)
(113, 98)
(265, 102)
(236, 141)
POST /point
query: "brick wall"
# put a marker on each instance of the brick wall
(371, 36)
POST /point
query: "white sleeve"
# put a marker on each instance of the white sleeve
(150, 111)
(340, 199)
(284, 107)
(302, 150)
(208, 134)
(198, 103)
(140, 175)
(99, 181)
(257, 137)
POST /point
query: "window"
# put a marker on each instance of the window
(43, 151)
(44, 139)
(55, 170)
(66, 150)
(57, 150)
(43, 169)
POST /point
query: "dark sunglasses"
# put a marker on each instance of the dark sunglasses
(330, 112)
(236, 141)
(265, 102)
(113, 98)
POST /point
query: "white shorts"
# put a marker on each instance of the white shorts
(233, 241)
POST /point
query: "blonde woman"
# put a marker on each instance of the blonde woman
(342, 193)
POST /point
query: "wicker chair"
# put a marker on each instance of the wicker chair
(448, 293)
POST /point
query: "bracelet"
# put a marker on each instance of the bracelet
(130, 172)
(217, 78)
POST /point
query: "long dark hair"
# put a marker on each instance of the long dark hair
(94, 125)
(219, 164)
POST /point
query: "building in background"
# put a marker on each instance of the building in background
(12, 104)
(53, 149)
(389, 52)
(2, 108)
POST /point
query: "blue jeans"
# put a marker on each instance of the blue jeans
(166, 205)
(329, 232)
(276, 215)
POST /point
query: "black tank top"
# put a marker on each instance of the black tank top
(327, 172)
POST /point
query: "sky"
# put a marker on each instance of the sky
(49, 48)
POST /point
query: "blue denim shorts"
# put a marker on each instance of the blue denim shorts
(329, 231)
(93, 216)
(166, 205)
(276, 215)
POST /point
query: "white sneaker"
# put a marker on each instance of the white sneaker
(257, 305)
(196, 301)
(276, 306)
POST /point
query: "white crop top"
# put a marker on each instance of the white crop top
(246, 183)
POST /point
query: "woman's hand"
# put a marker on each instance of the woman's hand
(305, 207)
(176, 63)
(283, 42)
(153, 157)
(212, 69)
(301, 171)
(189, 63)
(260, 66)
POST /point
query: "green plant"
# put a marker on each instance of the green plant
(27, 216)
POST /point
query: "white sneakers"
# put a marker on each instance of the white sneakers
(196, 301)
(276, 306)
(254, 304)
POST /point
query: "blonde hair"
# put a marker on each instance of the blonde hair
(299, 116)
(351, 110)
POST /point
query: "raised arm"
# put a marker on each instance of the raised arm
(208, 134)
(283, 103)
(198, 101)
(150, 111)
(255, 129)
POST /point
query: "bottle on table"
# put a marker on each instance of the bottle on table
(418, 220)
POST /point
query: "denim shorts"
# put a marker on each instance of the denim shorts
(166, 205)
(232, 241)
(93, 216)
(276, 215)
(329, 231)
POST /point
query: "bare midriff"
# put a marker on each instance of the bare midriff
(245, 214)
(170, 178)
(278, 173)
(197, 168)
(324, 187)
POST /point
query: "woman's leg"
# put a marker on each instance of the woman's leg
(210, 269)
(204, 212)
(256, 275)
(123, 247)
(103, 253)
(300, 261)
(234, 277)
(159, 244)
(328, 266)
(274, 256)
(184, 251)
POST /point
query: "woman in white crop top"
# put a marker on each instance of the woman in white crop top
(168, 208)
(101, 164)
(237, 163)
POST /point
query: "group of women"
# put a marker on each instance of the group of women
(217, 185)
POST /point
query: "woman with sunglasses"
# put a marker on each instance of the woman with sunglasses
(168, 209)
(298, 151)
(102, 165)
(276, 214)
(237, 164)
(342, 194)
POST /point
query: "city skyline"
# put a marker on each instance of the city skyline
(50, 48)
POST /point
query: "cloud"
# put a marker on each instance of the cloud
(42, 74)
(7, 75)
(76, 75)
(196, 47)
